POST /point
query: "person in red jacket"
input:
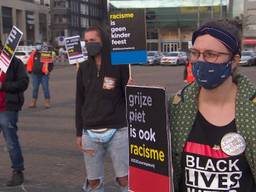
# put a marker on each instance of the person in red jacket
(40, 75)
(188, 74)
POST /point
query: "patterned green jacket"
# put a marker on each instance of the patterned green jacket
(182, 112)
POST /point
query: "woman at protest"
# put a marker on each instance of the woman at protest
(13, 84)
(213, 120)
(100, 112)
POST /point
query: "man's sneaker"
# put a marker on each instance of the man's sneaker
(17, 179)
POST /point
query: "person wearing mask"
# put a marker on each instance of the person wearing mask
(40, 75)
(213, 120)
(101, 125)
(13, 83)
(188, 74)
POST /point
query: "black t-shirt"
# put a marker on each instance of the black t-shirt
(206, 168)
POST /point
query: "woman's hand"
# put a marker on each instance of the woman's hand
(131, 82)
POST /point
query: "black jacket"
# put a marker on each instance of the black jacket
(98, 107)
(16, 82)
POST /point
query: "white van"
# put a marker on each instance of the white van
(23, 53)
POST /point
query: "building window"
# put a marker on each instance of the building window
(43, 26)
(152, 46)
(7, 19)
(152, 35)
(60, 4)
(95, 12)
(84, 9)
(84, 22)
(97, 2)
(60, 19)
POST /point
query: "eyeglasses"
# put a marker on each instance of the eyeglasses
(208, 55)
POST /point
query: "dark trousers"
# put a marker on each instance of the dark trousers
(8, 125)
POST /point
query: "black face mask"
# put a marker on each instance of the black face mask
(93, 48)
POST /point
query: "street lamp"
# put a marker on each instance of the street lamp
(198, 13)
(221, 9)
(212, 9)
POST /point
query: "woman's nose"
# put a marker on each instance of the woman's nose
(201, 57)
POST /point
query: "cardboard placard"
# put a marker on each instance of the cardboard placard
(46, 54)
(128, 37)
(149, 139)
(74, 50)
(9, 48)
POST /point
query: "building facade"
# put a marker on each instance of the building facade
(170, 23)
(249, 25)
(72, 17)
(32, 17)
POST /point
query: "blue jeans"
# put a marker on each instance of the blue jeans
(8, 125)
(36, 80)
(118, 149)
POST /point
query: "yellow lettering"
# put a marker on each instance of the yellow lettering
(161, 156)
(122, 16)
(9, 49)
(147, 152)
(141, 151)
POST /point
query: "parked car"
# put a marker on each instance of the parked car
(23, 55)
(248, 58)
(23, 52)
(154, 57)
(174, 58)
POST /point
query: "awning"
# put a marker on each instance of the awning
(249, 41)
(166, 3)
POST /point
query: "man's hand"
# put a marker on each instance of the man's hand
(46, 67)
(80, 147)
(79, 143)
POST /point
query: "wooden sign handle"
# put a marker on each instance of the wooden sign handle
(130, 71)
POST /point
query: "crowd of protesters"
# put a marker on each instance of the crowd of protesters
(216, 102)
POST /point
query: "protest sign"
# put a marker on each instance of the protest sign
(128, 37)
(149, 140)
(9, 48)
(46, 54)
(74, 50)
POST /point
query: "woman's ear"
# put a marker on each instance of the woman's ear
(236, 59)
(235, 62)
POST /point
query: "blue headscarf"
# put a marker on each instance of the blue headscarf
(225, 37)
